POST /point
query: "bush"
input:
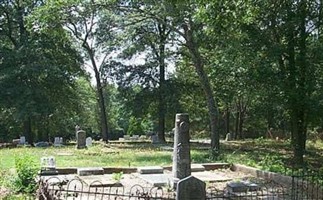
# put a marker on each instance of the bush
(25, 178)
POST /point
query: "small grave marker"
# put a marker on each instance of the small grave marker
(154, 139)
(88, 142)
(22, 140)
(190, 188)
(58, 141)
(242, 186)
(48, 166)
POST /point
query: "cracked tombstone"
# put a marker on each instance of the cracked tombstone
(190, 188)
(181, 154)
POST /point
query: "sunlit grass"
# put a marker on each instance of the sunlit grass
(259, 153)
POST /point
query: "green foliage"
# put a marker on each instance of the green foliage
(26, 170)
(117, 176)
(135, 127)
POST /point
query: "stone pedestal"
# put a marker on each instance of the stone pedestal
(181, 154)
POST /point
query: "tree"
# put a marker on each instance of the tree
(183, 22)
(90, 30)
(38, 70)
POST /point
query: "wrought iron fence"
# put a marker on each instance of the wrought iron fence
(307, 185)
(56, 189)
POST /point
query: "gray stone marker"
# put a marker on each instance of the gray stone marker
(48, 166)
(242, 186)
(154, 139)
(181, 154)
(81, 137)
(88, 142)
(22, 140)
(190, 188)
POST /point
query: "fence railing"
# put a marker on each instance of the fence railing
(304, 186)
(307, 185)
(55, 188)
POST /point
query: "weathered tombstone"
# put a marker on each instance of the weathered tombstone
(61, 140)
(22, 140)
(42, 144)
(15, 141)
(154, 139)
(81, 139)
(228, 137)
(88, 142)
(48, 166)
(190, 188)
(57, 142)
(181, 154)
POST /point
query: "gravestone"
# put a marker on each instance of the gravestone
(57, 142)
(88, 142)
(242, 186)
(190, 188)
(48, 166)
(154, 139)
(228, 137)
(42, 144)
(16, 141)
(22, 140)
(181, 154)
(81, 139)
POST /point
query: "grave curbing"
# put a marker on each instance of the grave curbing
(278, 178)
(129, 170)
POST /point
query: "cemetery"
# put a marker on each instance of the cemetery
(186, 178)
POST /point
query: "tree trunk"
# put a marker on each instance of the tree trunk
(296, 84)
(211, 104)
(237, 124)
(101, 101)
(227, 119)
(300, 108)
(27, 130)
(161, 96)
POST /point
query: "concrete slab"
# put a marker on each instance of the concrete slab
(210, 177)
(90, 171)
(197, 168)
(157, 180)
(101, 181)
(150, 170)
(166, 148)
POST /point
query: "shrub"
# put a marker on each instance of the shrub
(25, 178)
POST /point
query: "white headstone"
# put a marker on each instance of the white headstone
(56, 140)
(22, 140)
(88, 142)
(48, 162)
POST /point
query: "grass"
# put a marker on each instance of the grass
(263, 154)
(260, 153)
(123, 155)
